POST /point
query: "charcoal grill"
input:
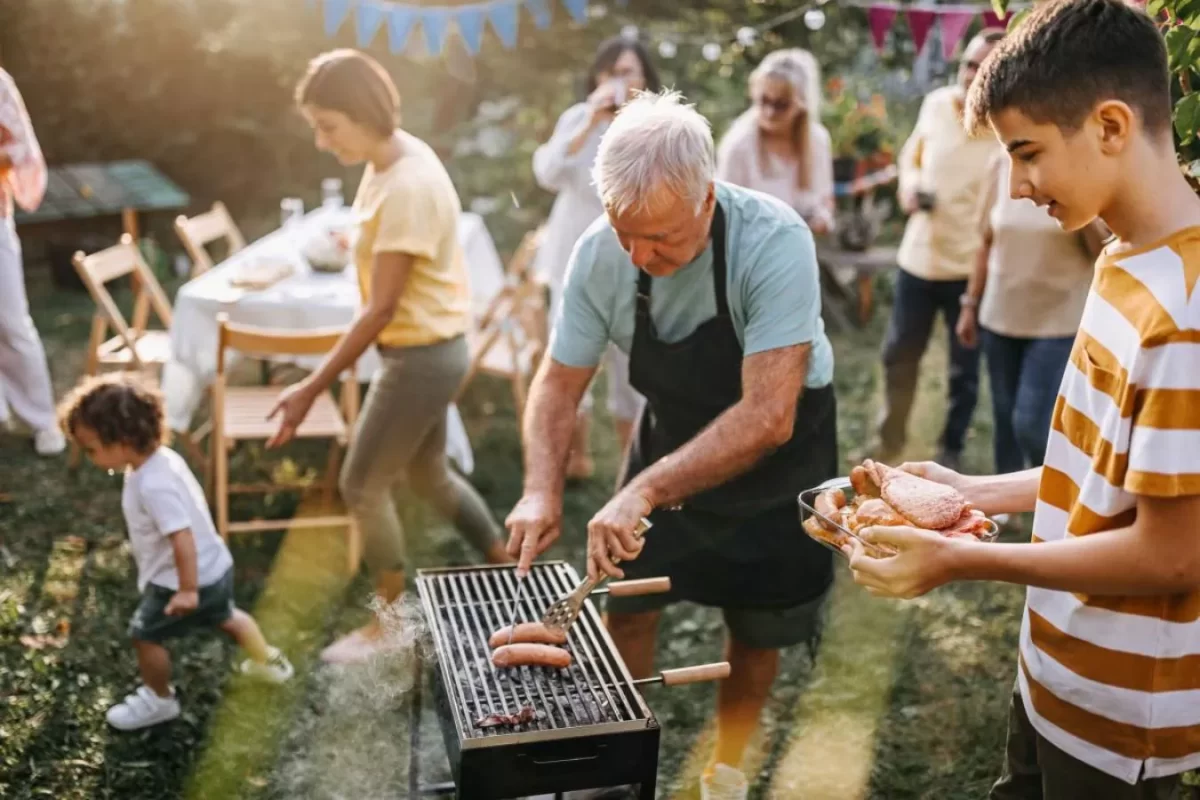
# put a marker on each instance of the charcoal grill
(592, 727)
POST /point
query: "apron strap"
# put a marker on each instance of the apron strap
(642, 307)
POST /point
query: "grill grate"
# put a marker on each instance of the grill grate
(465, 606)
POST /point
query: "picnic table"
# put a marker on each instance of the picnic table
(305, 300)
(848, 276)
(82, 191)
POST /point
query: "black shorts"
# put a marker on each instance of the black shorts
(150, 624)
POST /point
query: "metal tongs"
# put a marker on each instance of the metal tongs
(563, 613)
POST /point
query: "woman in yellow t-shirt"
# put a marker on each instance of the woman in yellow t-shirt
(415, 305)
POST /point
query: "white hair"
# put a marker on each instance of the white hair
(656, 143)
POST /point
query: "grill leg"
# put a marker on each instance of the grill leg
(414, 733)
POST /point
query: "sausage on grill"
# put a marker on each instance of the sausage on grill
(532, 632)
(526, 654)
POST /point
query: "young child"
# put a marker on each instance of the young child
(1107, 703)
(185, 571)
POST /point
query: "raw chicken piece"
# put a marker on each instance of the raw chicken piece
(922, 502)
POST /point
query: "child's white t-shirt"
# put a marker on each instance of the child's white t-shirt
(162, 497)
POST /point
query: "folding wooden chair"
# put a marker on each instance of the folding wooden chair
(202, 230)
(240, 414)
(509, 338)
(135, 346)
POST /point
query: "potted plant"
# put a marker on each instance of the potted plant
(861, 135)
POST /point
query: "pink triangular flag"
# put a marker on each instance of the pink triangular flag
(954, 25)
(992, 20)
(920, 22)
(880, 19)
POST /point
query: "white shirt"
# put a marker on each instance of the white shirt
(162, 497)
(570, 177)
(939, 157)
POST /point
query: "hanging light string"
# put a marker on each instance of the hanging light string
(712, 47)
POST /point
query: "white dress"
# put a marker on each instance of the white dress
(575, 208)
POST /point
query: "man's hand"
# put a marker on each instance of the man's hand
(611, 532)
(924, 561)
(967, 328)
(933, 471)
(533, 525)
(182, 602)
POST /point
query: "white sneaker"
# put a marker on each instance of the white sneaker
(142, 709)
(277, 669)
(49, 442)
(726, 783)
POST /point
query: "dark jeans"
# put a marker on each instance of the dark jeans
(917, 303)
(1034, 769)
(1025, 375)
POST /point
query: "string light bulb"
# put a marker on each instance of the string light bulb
(629, 33)
(711, 51)
(667, 48)
(747, 36)
(814, 19)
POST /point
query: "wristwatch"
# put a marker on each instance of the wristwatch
(968, 301)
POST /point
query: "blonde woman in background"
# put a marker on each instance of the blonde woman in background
(563, 165)
(778, 146)
(1022, 307)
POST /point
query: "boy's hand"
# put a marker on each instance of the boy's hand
(182, 602)
(923, 563)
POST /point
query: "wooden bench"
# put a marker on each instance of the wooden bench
(848, 279)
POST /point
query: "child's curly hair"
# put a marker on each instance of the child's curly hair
(121, 407)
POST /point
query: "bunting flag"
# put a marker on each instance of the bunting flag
(470, 28)
(992, 20)
(954, 25)
(880, 19)
(436, 22)
(503, 17)
(367, 21)
(400, 23)
(920, 21)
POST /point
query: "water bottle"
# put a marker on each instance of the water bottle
(331, 193)
(291, 211)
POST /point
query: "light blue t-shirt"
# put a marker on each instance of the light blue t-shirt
(773, 288)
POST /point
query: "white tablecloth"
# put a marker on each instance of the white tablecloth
(303, 301)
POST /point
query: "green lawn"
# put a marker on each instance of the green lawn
(904, 700)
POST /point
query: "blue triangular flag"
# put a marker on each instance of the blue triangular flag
(400, 22)
(470, 26)
(577, 9)
(367, 20)
(541, 12)
(504, 15)
(335, 15)
(434, 22)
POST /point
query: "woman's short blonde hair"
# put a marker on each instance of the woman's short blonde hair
(354, 84)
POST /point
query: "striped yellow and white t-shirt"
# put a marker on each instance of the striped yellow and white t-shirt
(1115, 681)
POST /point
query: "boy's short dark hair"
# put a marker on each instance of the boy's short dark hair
(355, 84)
(121, 407)
(1069, 55)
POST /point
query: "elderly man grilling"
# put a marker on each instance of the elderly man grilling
(713, 292)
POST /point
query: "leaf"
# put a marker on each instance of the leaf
(1000, 7)
(1017, 19)
(1178, 39)
(1155, 8)
(1187, 117)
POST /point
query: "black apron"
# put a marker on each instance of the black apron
(740, 544)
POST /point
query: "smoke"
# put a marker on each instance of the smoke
(351, 739)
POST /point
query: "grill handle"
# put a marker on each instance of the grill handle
(677, 677)
(637, 587)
